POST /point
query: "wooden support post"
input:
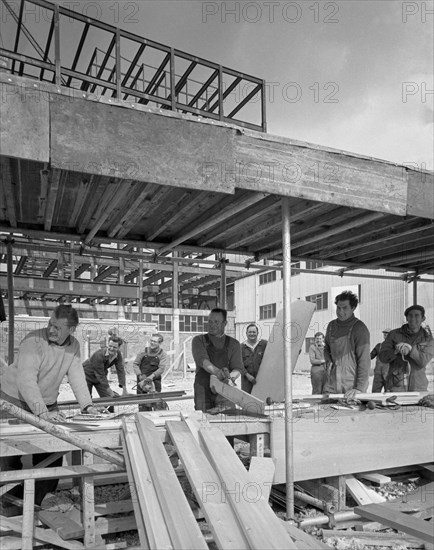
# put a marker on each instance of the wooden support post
(88, 504)
(338, 482)
(28, 514)
(257, 444)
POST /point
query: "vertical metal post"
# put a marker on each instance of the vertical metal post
(415, 290)
(264, 107)
(175, 306)
(220, 96)
(172, 80)
(140, 290)
(223, 282)
(57, 61)
(11, 312)
(289, 451)
(118, 64)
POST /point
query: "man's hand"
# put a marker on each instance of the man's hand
(54, 416)
(251, 379)
(124, 391)
(403, 348)
(427, 401)
(147, 384)
(351, 394)
(92, 410)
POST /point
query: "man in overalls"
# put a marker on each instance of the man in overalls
(149, 365)
(214, 353)
(347, 349)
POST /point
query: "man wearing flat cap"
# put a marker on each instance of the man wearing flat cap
(381, 369)
(408, 350)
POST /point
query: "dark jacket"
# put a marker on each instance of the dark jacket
(413, 365)
(97, 366)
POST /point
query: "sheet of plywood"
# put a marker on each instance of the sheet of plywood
(270, 379)
(207, 488)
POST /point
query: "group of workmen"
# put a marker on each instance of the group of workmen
(342, 364)
(341, 359)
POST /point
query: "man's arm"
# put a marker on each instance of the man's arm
(201, 358)
(137, 361)
(162, 366)
(361, 338)
(421, 354)
(77, 381)
(120, 370)
(313, 358)
(97, 364)
(236, 357)
(375, 351)
(387, 353)
(28, 365)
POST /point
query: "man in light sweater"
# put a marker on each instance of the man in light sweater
(347, 349)
(32, 382)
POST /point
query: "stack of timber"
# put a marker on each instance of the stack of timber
(232, 500)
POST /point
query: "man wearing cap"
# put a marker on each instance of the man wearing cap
(381, 369)
(408, 350)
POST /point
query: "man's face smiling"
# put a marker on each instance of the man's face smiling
(415, 320)
(343, 310)
(154, 344)
(58, 330)
(112, 348)
(252, 335)
(216, 324)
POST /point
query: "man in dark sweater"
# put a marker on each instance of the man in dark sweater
(347, 349)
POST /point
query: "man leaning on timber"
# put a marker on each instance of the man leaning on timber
(347, 349)
(214, 353)
(408, 350)
(33, 381)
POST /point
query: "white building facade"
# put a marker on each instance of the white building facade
(383, 301)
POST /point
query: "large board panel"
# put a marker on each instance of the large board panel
(96, 138)
(24, 123)
(270, 379)
(331, 442)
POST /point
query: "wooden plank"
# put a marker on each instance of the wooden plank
(60, 472)
(143, 537)
(24, 123)
(261, 471)
(374, 539)
(287, 167)
(15, 543)
(420, 198)
(143, 492)
(154, 148)
(375, 477)
(245, 400)
(182, 526)
(362, 494)
(270, 378)
(62, 524)
(41, 534)
(207, 488)
(28, 514)
(368, 440)
(403, 522)
(262, 527)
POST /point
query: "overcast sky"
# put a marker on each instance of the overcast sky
(352, 75)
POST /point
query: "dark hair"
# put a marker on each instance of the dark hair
(318, 334)
(116, 339)
(252, 325)
(222, 311)
(157, 335)
(66, 311)
(347, 295)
